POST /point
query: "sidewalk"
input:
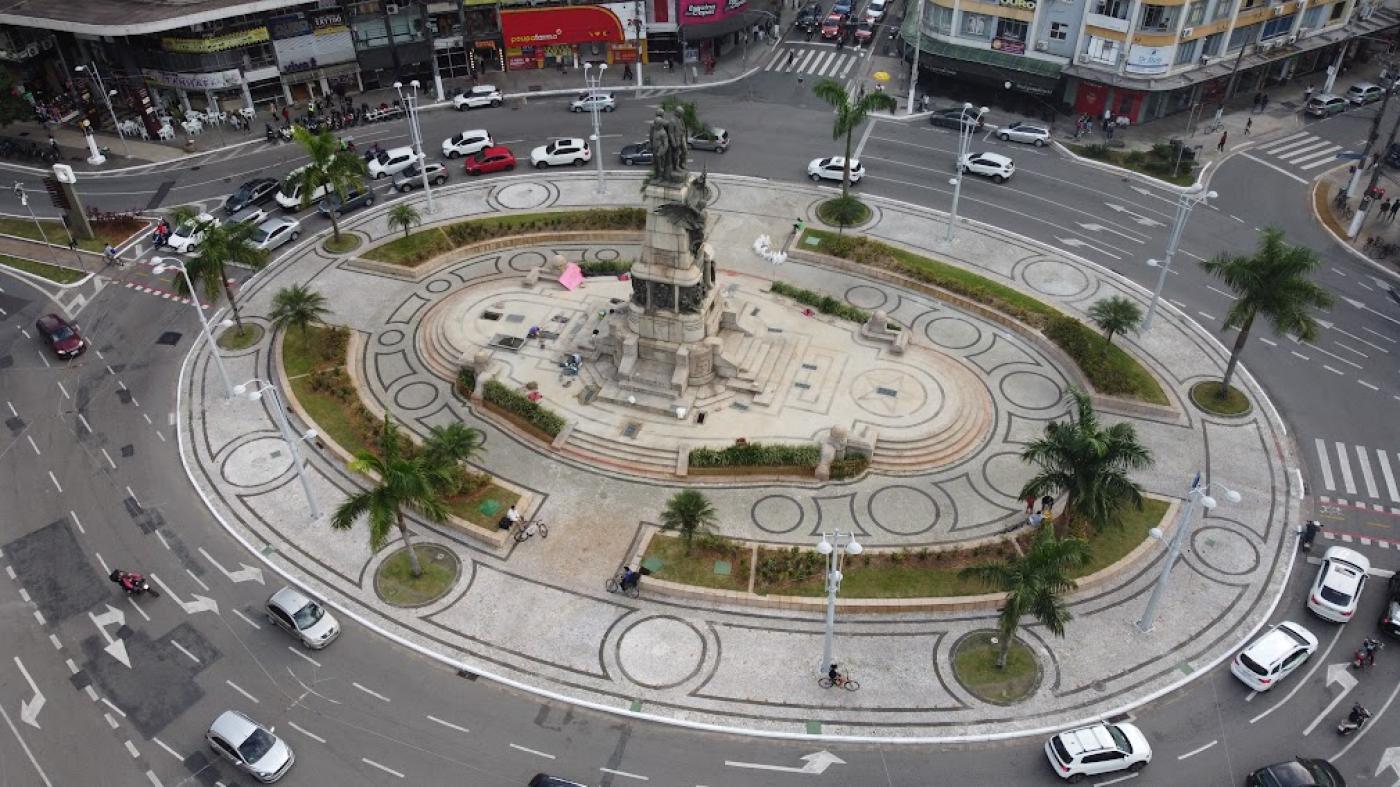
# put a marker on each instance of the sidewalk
(698, 663)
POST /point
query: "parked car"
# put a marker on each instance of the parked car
(1273, 656)
(299, 615)
(955, 118)
(361, 197)
(289, 194)
(989, 165)
(391, 162)
(1364, 93)
(1326, 105)
(61, 336)
(587, 102)
(496, 159)
(832, 25)
(865, 30)
(250, 746)
(254, 192)
(1099, 748)
(635, 153)
(1390, 614)
(274, 232)
(561, 152)
(478, 96)
(187, 237)
(1302, 772)
(832, 167)
(716, 139)
(1340, 580)
(252, 216)
(1022, 131)
(412, 178)
(875, 10)
(466, 143)
(1392, 155)
(810, 16)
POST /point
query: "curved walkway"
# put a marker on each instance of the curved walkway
(536, 614)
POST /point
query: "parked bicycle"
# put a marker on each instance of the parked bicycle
(524, 531)
(838, 679)
(627, 582)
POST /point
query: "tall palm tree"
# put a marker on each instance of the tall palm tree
(405, 216)
(297, 307)
(1117, 314)
(688, 512)
(222, 245)
(404, 480)
(452, 446)
(850, 115)
(1034, 584)
(1275, 282)
(331, 165)
(1088, 464)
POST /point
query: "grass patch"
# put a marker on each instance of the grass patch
(1206, 396)
(844, 211)
(426, 244)
(484, 507)
(347, 242)
(395, 583)
(114, 232)
(974, 667)
(698, 567)
(757, 455)
(240, 338)
(1157, 162)
(55, 273)
(315, 366)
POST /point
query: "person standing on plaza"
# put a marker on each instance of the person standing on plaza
(1394, 208)
(1307, 95)
(1248, 124)
(1385, 208)
(1220, 146)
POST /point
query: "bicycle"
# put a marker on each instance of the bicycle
(843, 680)
(523, 531)
(615, 585)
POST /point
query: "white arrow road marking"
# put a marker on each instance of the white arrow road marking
(1332, 327)
(1092, 227)
(1365, 308)
(1076, 243)
(197, 603)
(1390, 761)
(815, 763)
(243, 574)
(116, 648)
(1336, 673)
(1361, 733)
(29, 711)
(1145, 221)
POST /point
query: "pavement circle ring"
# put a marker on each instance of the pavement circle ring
(863, 296)
(257, 462)
(415, 395)
(906, 505)
(952, 333)
(606, 255)
(391, 337)
(771, 514)
(1055, 279)
(661, 652)
(439, 285)
(524, 195)
(1224, 550)
(1030, 390)
(1005, 473)
(523, 261)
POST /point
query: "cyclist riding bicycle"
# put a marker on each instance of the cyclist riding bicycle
(835, 675)
(111, 254)
(630, 578)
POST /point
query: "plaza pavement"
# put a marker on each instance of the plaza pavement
(536, 615)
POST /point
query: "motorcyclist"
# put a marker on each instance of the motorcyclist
(129, 581)
(1358, 714)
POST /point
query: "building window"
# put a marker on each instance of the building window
(1059, 31)
(940, 21)
(1186, 51)
(1277, 26)
(370, 33)
(1156, 17)
(1011, 29)
(1103, 50)
(1245, 5)
(1118, 9)
(1337, 9)
(1211, 47)
(1311, 17)
(1196, 13)
(1242, 36)
(1223, 8)
(976, 25)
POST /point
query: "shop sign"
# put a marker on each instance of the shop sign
(1149, 59)
(710, 10)
(290, 26)
(1009, 45)
(329, 23)
(1025, 5)
(255, 35)
(579, 24)
(214, 80)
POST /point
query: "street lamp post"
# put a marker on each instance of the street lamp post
(107, 99)
(1197, 494)
(162, 264)
(415, 135)
(1185, 201)
(254, 395)
(594, 83)
(834, 550)
(24, 201)
(969, 125)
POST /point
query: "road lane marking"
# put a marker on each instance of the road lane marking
(1366, 476)
(531, 751)
(1368, 385)
(1279, 170)
(1384, 461)
(195, 578)
(239, 689)
(138, 608)
(163, 542)
(636, 776)
(55, 482)
(1378, 333)
(131, 747)
(1345, 466)
(109, 704)
(56, 642)
(111, 722)
(448, 724)
(1197, 750)
(1337, 372)
(64, 390)
(384, 768)
(1221, 292)
(1115, 781)
(303, 655)
(247, 620)
(370, 692)
(32, 761)
(181, 648)
(305, 732)
(84, 422)
(1268, 341)
(1351, 349)
(1325, 463)
(33, 445)
(168, 750)
(108, 457)
(13, 411)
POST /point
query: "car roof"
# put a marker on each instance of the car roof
(278, 221)
(50, 321)
(570, 140)
(395, 152)
(1277, 642)
(474, 132)
(1294, 774)
(1349, 555)
(989, 156)
(233, 727)
(482, 90)
(1028, 124)
(1364, 86)
(1087, 739)
(1326, 97)
(289, 599)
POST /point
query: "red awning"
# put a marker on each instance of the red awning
(580, 24)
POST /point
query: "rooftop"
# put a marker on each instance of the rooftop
(130, 17)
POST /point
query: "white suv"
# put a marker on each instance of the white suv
(479, 96)
(990, 165)
(1101, 748)
(391, 162)
(561, 152)
(1273, 656)
(1339, 583)
(590, 101)
(466, 143)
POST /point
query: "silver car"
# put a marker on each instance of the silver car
(250, 746)
(275, 232)
(412, 178)
(303, 618)
(716, 139)
(1029, 133)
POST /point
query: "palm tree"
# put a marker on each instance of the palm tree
(849, 116)
(1274, 282)
(404, 215)
(404, 480)
(1117, 314)
(688, 512)
(690, 116)
(1034, 584)
(1088, 464)
(451, 447)
(222, 244)
(297, 307)
(331, 165)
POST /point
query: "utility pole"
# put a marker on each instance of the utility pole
(914, 65)
(1355, 182)
(1360, 217)
(1230, 86)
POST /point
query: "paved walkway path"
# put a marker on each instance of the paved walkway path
(537, 613)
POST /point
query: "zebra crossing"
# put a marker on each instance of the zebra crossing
(817, 62)
(1358, 471)
(1302, 151)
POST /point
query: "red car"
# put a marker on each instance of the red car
(831, 28)
(492, 159)
(864, 32)
(59, 334)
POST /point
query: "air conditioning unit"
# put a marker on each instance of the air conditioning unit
(1082, 57)
(391, 8)
(1187, 31)
(1042, 46)
(1293, 39)
(1206, 60)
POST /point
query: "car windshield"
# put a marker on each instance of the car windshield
(1061, 753)
(62, 332)
(1334, 596)
(242, 195)
(259, 235)
(256, 746)
(1325, 776)
(1119, 739)
(1252, 665)
(308, 615)
(185, 230)
(383, 157)
(410, 171)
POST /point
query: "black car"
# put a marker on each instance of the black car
(545, 780)
(636, 153)
(810, 17)
(254, 192)
(953, 117)
(1390, 616)
(1302, 772)
(355, 198)
(1392, 156)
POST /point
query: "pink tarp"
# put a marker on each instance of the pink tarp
(572, 277)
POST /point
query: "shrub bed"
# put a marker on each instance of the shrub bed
(605, 267)
(755, 455)
(825, 304)
(518, 404)
(1158, 162)
(1114, 372)
(850, 467)
(426, 244)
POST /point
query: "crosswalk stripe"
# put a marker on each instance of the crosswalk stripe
(1330, 158)
(807, 56)
(1301, 151)
(1326, 154)
(847, 69)
(1384, 462)
(827, 65)
(1345, 467)
(820, 62)
(830, 68)
(779, 56)
(1292, 142)
(1281, 142)
(1326, 464)
(1366, 471)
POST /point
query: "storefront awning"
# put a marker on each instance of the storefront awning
(1031, 74)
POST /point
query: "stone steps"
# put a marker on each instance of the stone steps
(437, 351)
(942, 447)
(621, 452)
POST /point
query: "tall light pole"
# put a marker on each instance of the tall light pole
(594, 84)
(914, 66)
(1364, 207)
(415, 135)
(278, 407)
(24, 200)
(969, 124)
(163, 264)
(107, 99)
(1197, 494)
(1185, 201)
(834, 550)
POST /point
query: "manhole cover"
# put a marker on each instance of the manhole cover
(169, 338)
(802, 386)
(631, 429)
(124, 396)
(723, 568)
(887, 392)
(128, 451)
(515, 318)
(15, 424)
(811, 367)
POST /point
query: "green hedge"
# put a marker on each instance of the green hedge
(605, 267)
(850, 467)
(1115, 373)
(516, 403)
(822, 303)
(757, 455)
(426, 244)
(466, 380)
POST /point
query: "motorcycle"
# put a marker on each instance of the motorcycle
(271, 133)
(1310, 531)
(1354, 720)
(133, 583)
(286, 133)
(1365, 655)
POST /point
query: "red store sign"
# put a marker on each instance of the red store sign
(580, 24)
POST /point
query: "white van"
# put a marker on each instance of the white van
(289, 195)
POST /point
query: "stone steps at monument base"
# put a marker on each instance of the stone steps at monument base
(438, 353)
(933, 450)
(775, 361)
(621, 452)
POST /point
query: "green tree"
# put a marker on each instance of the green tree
(331, 165)
(13, 108)
(297, 307)
(403, 480)
(850, 114)
(451, 447)
(405, 216)
(223, 245)
(1088, 464)
(690, 115)
(1117, 314)
(688, 512)
(1275, 282)
(1034, 583)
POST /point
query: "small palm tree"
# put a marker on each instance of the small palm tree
(1275, 282)
(688, 512)
(1117, 314)
(405, 216)
(297, 307)
(849, 116)
(451, 447)
(404, 480)
(1034, 583)
(223, 244)
(331, 165)
(1088, 464)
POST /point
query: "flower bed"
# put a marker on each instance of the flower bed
(423, 245)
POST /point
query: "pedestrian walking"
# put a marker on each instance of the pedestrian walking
(1307, 95)
(627, 71)
(1030, 503)
(1264, 102)
(1248, 124)
(1385, 208)
(286, 115)
(1220, 146)
(792, 55)
(1108, 132)
(1394, 209)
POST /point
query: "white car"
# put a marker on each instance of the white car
(187, 237)
(478, 96)
(875, 10)
(1100, 748)
(1339, 583)
(253, 216)
(391, 162)
(289, 195)
(832, 167)
(1273, 656)
(1029, 133)
(991, 165)
(467, 143)
(274, 232)
(296, 613)
(250, 746)
(604, 102)
(561, 152)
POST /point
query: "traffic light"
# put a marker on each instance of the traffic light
(57, 195)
